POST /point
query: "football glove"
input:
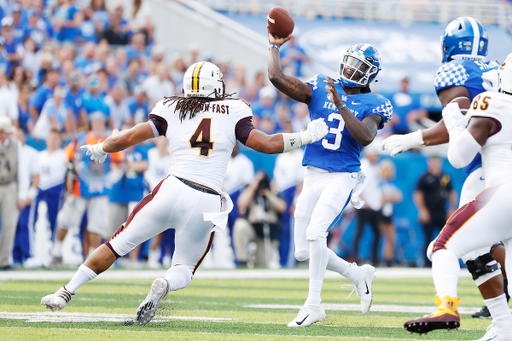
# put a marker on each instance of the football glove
(396, 144)
(317, 129)
(95, 151)
(453, 117)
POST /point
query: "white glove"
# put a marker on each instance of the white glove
(317, 129)
(453, 117)
(396, 144)
(95, 151)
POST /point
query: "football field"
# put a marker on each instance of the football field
(226, 305)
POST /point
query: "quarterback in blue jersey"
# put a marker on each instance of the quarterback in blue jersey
(353, 115)
(463, 75)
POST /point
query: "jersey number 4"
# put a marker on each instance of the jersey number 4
(336, 131)
(201, 138)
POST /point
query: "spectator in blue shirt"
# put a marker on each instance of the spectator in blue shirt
(96, 20)
(292, 58)
(18, 29)
(137, 48)
(94, 101)
(43, 93)
(55, 115)
(85, 62)
(13, 48)
(265, 107)
(139, 105)
(406, 107)
(36, 27)
(66, 21)
(134, 75)
(25, 121)
(74, 101)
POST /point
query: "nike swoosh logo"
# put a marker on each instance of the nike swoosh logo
(367, 290)
(301, 322)
(354, 103)
(482, 178)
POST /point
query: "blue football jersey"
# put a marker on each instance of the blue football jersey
(476, 77)
(338, 151)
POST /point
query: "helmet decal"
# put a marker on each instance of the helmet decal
(464, 38)
(195, 77)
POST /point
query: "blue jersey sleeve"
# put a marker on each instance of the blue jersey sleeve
(384, 109)
(450, 75)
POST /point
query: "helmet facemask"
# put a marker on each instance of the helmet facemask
(356, 69)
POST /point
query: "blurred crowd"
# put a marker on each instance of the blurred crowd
(72, 74)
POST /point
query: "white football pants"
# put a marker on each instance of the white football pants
(319, 206)
(172, 204)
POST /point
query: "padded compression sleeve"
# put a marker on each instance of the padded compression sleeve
(462, 148)
(243, 128)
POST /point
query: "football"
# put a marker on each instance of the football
(280, 22)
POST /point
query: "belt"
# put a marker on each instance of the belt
(196, 187)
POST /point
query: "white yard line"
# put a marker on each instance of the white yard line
(60, 317)
(357, 307)
(214, 274)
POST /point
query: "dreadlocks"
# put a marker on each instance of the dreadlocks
(192, 105)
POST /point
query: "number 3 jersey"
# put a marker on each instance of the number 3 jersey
(201, 147)
(338, 151)
(496, 152)
(476, 77)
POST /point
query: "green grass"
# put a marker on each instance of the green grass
(229, 301)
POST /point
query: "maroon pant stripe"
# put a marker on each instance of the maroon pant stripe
(136, 210)
(461, 216)
(205, 252)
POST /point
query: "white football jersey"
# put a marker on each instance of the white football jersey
(53, 168)
(496, 152)
(201, 147)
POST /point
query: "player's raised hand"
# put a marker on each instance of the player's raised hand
(272, 40)
(318, 129)
(331, 89)
(95, 151)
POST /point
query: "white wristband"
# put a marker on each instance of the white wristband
(293, 141)
(100, 148)
(414, 140)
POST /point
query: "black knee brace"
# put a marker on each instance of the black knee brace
(478, 266)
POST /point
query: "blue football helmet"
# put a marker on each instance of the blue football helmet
(359, 66)
(464, 38)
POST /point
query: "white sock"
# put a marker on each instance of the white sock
(498, 307)
(344, 268)
(445, 271)
(318, 259)
(82, 276)
(179, 277)
(57, 249)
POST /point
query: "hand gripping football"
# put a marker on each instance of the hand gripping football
(280, 22)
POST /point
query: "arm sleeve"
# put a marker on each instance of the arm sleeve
(462, 148)
(243, 128)
(159, 125)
